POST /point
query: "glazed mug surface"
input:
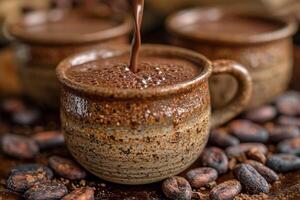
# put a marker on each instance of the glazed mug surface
(134, 136)
(38, 54)
(268, 56)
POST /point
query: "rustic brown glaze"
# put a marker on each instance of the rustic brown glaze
(139, 136)
(262, 44)
(45, 39)
(296, 73)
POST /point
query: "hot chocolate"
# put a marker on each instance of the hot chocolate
(68, 25)
(59, 26)
(152, 71)
(231, 25)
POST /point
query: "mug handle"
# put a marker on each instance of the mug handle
(242, 96)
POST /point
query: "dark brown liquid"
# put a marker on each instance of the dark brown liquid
(138, 10)
(69, 25)
(152, 72)
(232, 25)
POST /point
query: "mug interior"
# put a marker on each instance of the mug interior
(146, 50)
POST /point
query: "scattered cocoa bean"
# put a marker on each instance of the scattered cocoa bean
(23, 177)
(9, 195)
(289, 103)
(46, 191)
(221, 138)
(232, 163)
(211, 185)
(19, 146)
(266, 172)
(242, 157)
(12, 105)
(201, 176)
(279, 133)
(26, 116)
(262, 114)
(86, 193)
(177, 188)
(290, 146)
(66, 168)
(226, 190)
(255, 154)
(283, 162)
(236, 151)
(49, 139)
(215, 158)
(251, 180)
(289, 121)
(246, 131)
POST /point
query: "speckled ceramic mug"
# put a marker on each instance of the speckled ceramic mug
(133, 136)
(268, 56)
(38, 53)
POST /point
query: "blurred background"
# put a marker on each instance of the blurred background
(153, 31)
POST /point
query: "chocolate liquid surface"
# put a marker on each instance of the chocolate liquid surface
(151, 72)
(232, 25)
(67, 25)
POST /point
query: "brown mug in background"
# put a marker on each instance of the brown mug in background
(268, 55)
(134, 136)
(43, 39)
(296, 73)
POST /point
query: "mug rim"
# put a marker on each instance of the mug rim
(172, 23)
(118, 93)
(15, 30)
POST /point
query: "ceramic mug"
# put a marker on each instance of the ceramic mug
(266, 55)
(38, 53)
(133, 136)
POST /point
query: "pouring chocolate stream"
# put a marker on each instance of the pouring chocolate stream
(138, 11)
